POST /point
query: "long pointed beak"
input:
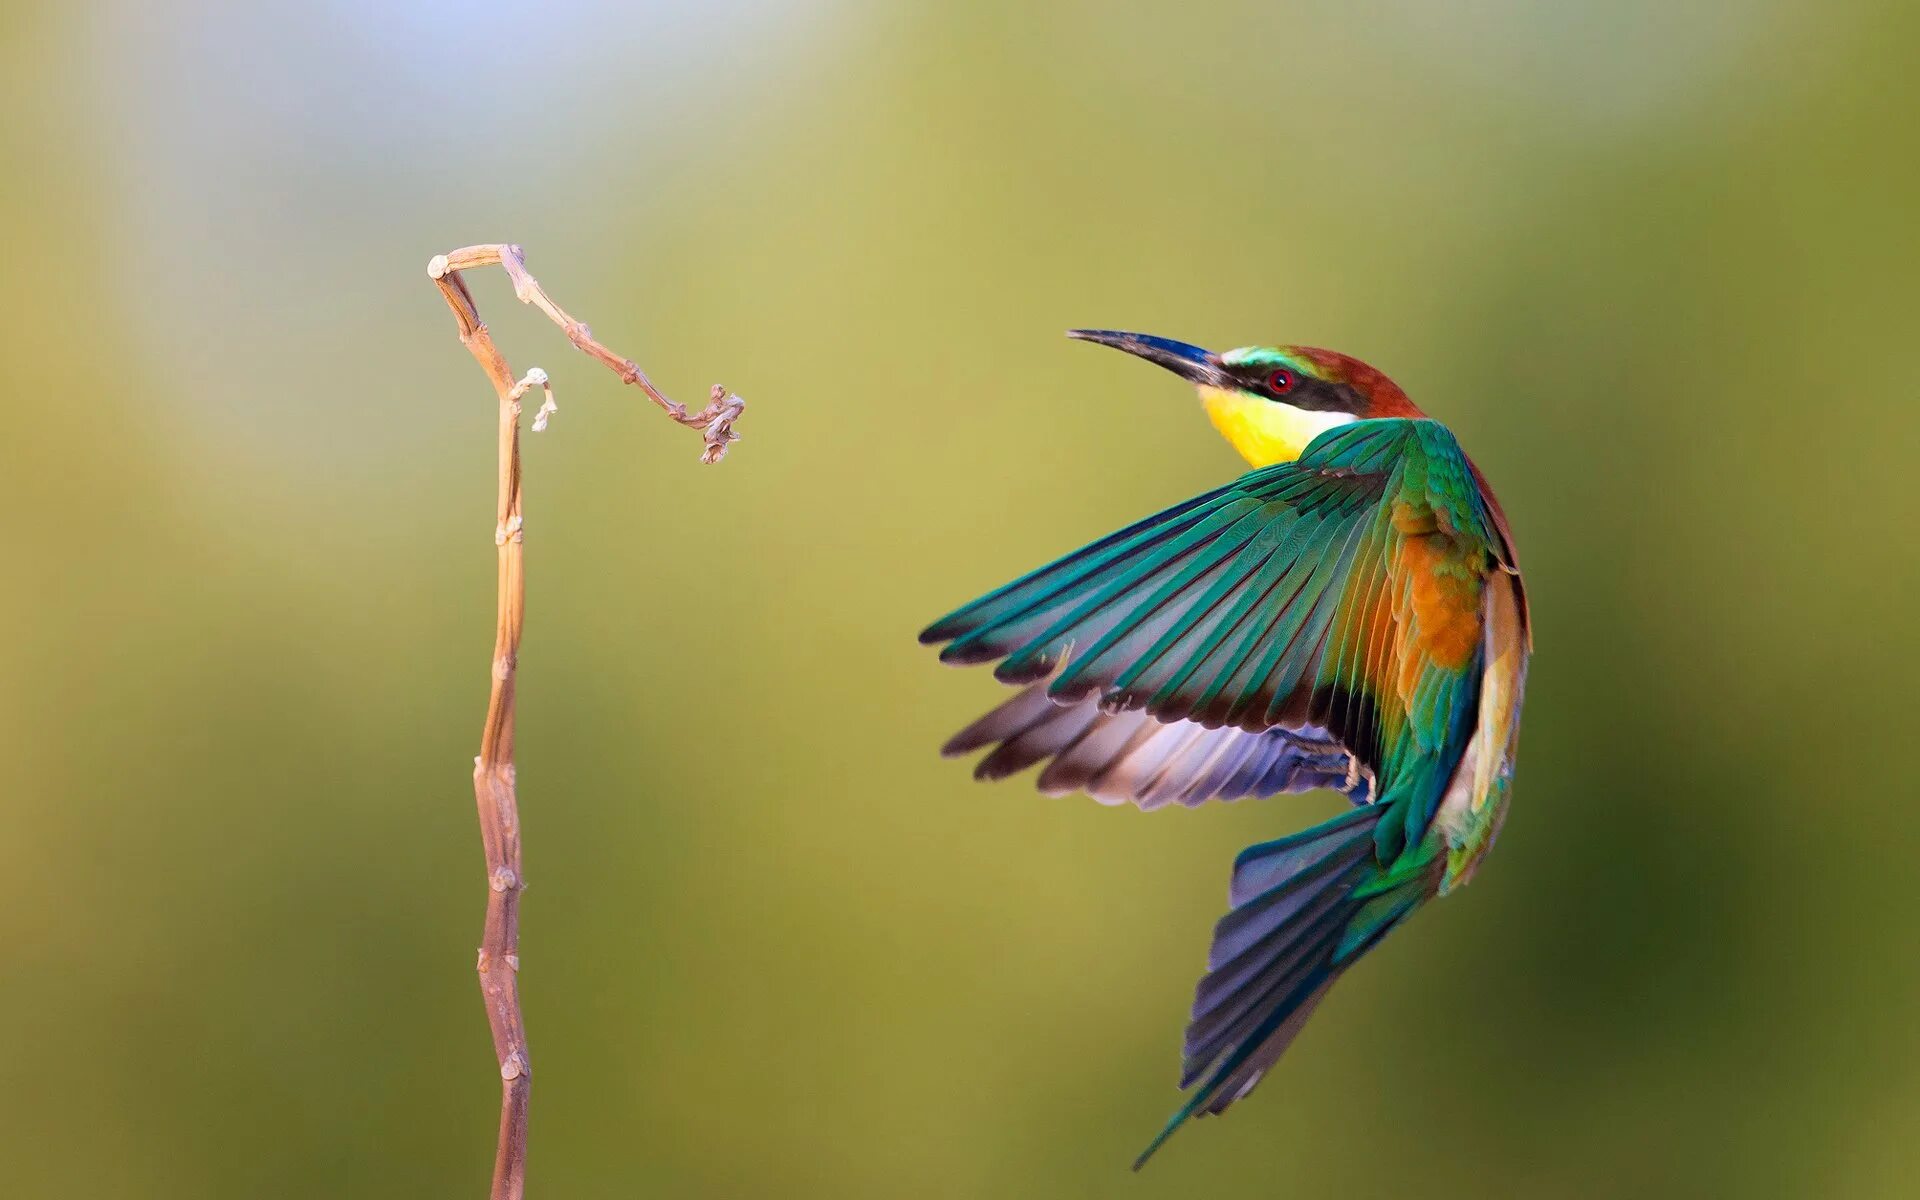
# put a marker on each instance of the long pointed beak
(1197, 366)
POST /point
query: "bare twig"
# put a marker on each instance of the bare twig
(493, 770)
(715, 421)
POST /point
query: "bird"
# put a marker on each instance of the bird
(1347, 615)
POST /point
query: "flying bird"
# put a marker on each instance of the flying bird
(1348, 615)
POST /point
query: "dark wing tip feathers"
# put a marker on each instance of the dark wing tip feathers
(956, 626)
(947, 628)
(1016, 671)
(968, 654)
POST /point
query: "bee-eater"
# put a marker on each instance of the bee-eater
(1348, 615)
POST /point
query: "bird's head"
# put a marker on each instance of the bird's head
(1269, 401)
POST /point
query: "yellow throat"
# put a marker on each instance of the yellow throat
(1266, 431)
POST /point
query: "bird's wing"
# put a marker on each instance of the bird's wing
(1117, 757)
(1336, 596)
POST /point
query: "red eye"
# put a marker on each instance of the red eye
(1280, 382)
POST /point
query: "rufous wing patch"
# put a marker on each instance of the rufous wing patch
(1439, 612)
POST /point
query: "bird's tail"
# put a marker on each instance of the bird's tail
(1304, 908)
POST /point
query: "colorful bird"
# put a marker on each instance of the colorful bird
(1349, 615)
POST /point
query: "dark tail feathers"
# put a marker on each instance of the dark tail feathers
(1305, 907)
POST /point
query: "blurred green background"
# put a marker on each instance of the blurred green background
(1656, 267)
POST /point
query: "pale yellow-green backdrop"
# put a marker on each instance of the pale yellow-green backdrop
(1656, 264)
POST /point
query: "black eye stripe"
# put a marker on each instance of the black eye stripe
(1305, 391)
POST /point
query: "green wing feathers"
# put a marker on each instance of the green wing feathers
(1338, 593)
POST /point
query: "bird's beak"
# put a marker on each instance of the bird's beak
(1199, 367)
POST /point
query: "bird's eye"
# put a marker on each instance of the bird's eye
(1280, 382)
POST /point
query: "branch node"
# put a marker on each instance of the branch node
(437, 267)
(503, 879)
(534, 378)
(514, 1067)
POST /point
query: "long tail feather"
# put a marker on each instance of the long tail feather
(1305, 908)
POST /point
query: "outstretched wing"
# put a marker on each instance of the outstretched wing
(1335, 599)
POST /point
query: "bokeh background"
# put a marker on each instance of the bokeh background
(1656, 264)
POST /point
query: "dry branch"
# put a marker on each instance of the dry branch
(493, 770)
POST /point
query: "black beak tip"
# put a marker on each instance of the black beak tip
(1183, 359)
